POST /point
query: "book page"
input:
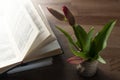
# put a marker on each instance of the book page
(20, 33)
(21, 25)
(46, 35)
(25, 25)
(44, 52)
(7, 51)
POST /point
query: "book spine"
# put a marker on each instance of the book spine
(30, 66)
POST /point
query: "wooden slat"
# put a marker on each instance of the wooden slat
(97, 7)
(96, 20)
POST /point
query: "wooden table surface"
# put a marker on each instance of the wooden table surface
(87, 13)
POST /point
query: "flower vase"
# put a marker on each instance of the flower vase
(87, 68)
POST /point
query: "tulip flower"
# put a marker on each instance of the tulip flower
(75, 60)
(69, 16)
(86, 47)
(56, 14)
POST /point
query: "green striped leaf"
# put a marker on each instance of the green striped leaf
(100, 59)
(79, 54)
(80, 35)
(100, 41)
(68, 37)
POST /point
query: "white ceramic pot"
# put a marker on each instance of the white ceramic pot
(87, 68)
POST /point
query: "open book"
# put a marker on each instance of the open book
(25, 35)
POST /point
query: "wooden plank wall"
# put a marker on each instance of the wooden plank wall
(89, 13)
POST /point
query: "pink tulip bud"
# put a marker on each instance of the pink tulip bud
(56, 14)
(65, 10)
(69, 16)
(75, 60)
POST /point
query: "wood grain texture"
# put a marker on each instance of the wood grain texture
(94, 13)
(87, 13)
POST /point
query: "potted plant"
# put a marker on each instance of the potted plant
(86, 47)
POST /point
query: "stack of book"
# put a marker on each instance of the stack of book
(25, 34)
